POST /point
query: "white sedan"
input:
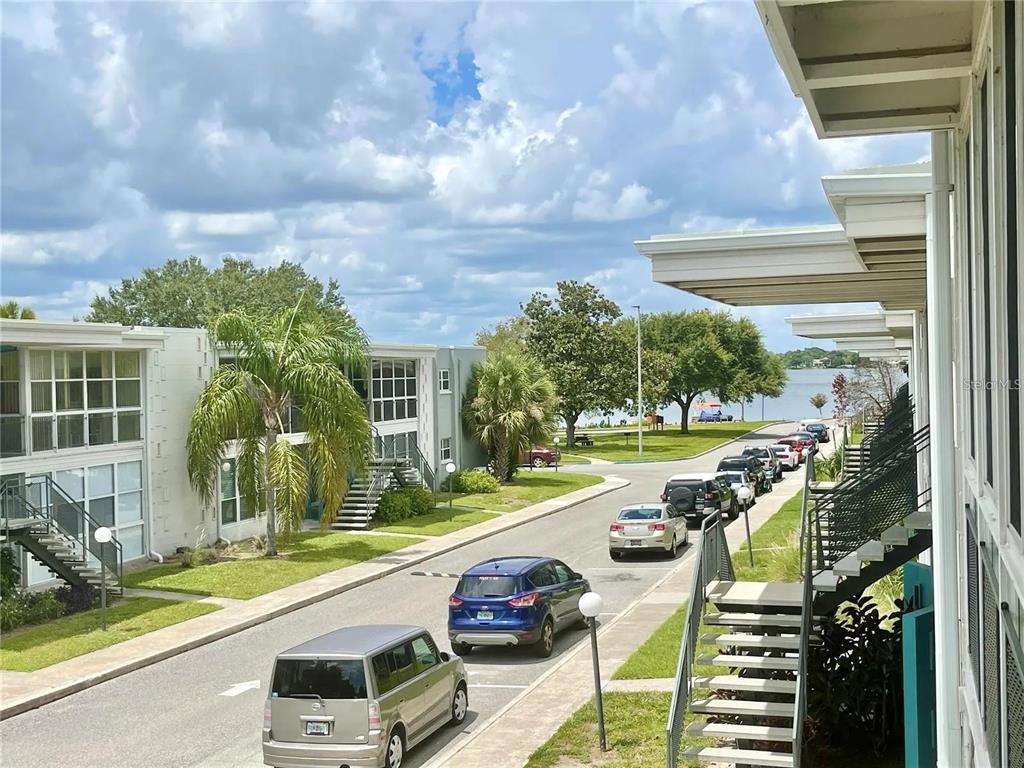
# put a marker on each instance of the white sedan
(786, 456)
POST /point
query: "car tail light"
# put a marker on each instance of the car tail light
(266, 714)
(708, 496)
(616, 527)
(373, 716)
(454, 602)
(526, 601)
(656, 527)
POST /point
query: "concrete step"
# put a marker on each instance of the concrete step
(743, 708)
(751, 620)
(848, 566)
(896, 536)
(748, 684)
(772, 594)
(919, 520)
(873, 551)
(739, 756)
(786, 642)
(350, 526)
(826, 581)
(730, 731)
(749, 662)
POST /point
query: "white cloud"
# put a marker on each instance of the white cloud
(329, 16)
(114, 109)
(32, 24)
(212, 24)
(181, 224)
(633, 202)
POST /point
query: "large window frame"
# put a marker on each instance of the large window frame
(394, 389)
(233, 508)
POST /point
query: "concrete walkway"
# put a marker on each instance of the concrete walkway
(182, 597)
(509, 737)
(21, 692)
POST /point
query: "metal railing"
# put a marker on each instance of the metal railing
(806, 613)
(403, 450)
(712, 562)
(38, 496)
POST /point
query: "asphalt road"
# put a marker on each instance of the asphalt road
(175, 713)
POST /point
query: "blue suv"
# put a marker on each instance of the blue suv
(514, 601)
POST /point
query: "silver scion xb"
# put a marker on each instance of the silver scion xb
(360, 697)
(643, 527)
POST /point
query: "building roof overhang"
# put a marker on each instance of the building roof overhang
(66, 333)
(895, 325)
(875, 67)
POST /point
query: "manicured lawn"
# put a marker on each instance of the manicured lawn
(437, 523)
(30, 648)
(572, 458)
(666, 445)
(304, 556)
(528, 488)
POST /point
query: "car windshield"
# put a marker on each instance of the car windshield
(640, 514)
(326, 678)
(487, 586)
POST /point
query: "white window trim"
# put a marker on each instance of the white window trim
(446, 453)
(444, 381)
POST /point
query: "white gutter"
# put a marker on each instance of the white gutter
(945, 507)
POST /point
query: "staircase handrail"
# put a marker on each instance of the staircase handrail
(712, 561)
(415, 457)
(806, 613)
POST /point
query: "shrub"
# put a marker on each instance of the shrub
(420, 499)
(392, 507)
(12, 613)
(472, 481)
(76, 599)
(10, 572)
(29, 608)
(193, 558)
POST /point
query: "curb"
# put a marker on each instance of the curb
(702, 453)
(608, 485)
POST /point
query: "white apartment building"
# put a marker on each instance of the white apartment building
(939, 247)
(103, 410)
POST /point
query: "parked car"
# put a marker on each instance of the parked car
(807, 440)
(698, 495)
(768, 460)
(713, 416)
(787, 455)
(510, 601)
(639, 527)
(744, 487)
(360, 696)
(797, 445)
(542, 456)
(818, 430)
(763, 482)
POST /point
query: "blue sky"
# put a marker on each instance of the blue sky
(441, 161)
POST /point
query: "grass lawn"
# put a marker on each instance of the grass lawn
(437, 523)
(666, 445)
(572, 458)
(304, 556)
(528, 488)
(30, 648)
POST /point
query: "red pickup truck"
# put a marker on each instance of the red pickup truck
(541, 456)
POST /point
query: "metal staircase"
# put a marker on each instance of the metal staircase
(396, 463)
(41, 517)
(854, 532)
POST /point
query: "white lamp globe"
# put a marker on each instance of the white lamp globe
(226, 466)
(450, 467)
(743, 494)
(591, 604)
(558, 440)
(102, 534)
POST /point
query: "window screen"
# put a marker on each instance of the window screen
(986, 276)
(990, 629)
(1011, 47)
(973, 609)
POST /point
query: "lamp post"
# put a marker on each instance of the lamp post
(639, 389)
(450, 469)
(102, 536)
(590, 606)
(556, 453)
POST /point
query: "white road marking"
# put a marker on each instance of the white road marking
(238, 688)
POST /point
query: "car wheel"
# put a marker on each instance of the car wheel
(461, 649)
(460, 705)
(614, 555)
(734, 509)
(546, 644)
(538, 462)
(674, 547)
(396, 749)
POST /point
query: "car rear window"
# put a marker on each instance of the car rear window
(640, 514)
(753, 451)
(734, 464)
(734, 477)
(487, 586)
(777, 449)
(697, 486)
(326, 678)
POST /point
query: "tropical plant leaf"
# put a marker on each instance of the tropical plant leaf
(291, 485)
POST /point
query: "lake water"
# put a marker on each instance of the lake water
(793, 405)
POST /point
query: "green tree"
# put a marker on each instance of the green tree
(294, 357)
(657, 367)
(573, 337)
(11, 310)
(818, 400)
(510, 406)
(187, 294)
(840, 396)
(507, 335)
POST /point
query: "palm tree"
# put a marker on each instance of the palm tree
(292, 359)
(510, 406)
(10, 310)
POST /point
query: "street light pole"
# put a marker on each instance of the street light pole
(557, 454)
(590, 606)
(450, 469)
(639, 389)
(102, 535)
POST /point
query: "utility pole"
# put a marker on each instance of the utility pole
(639, 388)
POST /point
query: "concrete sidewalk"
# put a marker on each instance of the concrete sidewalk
(20, 692)
(512, 734)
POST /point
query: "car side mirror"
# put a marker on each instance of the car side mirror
(445, 656)
(577, 576)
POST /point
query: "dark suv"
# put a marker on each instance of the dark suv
(753, 468)
(768, 460)
(698, 495)
(820, 431)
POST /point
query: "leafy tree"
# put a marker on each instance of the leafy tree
(827, 358)
(818, 400)
(874, 385)
(510, 406)
(11, 310)
(294, 357)
(840, 396)
(509, 334)
(187, 294)
(657, 367)
(573, 337)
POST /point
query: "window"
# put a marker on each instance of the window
(446, 449)
(444, 381)
(544, 576)
(11, 437)
(971, 304)
(1011, 46)
(563, 573)
(425, 652)
(393, 389)
(986, 276)
(394, 667)
(233, 505)
(329, 679)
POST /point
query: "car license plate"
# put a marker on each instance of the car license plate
(317, 728)
(635, 542)
(485, 615)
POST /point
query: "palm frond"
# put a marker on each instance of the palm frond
(251, 462)
(287, 473)
(248, 338)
